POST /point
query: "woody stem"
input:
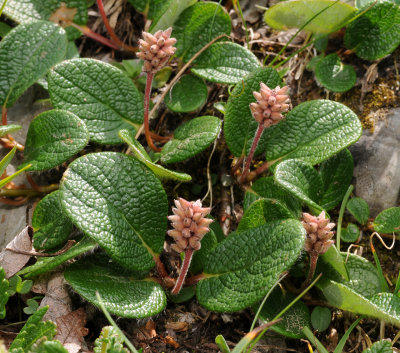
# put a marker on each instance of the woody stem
(147, 92)
(97, 37)
(249, 158)
(184, 271)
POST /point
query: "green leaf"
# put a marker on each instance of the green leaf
(21, 64)
(263, 211)
(187, 95)
(13, 283)
(140, 5)
(321, 318)
(336, 174)
(239, 124)
(267, 188)
(313, 131)
(384, 306)
(376, 33)
(26, 11)
(142, 156)
(33, 330)
(168, 13)
(191, 138)
(334, 75)
(109, 341)
(3, 293)
(25, 287)
(8, 129)
(52, 227)
(49, 347)
(50, 263)
(54, 137)
(350, 234)
(7, 160)
(198, 25)
(236, 279)
(359, 209)
(363, 276)
(98, 93)
(200, 257)
(300, 179)
(225, 63)
(120, 204)
(293, 320)
(388, 221)
(4, 29)
(32, 306)
(121, 292)
(383, 346)
(335, 261)
(294, 14)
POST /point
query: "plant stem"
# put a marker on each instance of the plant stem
(27, 192)
(184, 271)
(249, 158)
(147, 92)
(97, 37)
(313, 266)
(3, 115)
(110, 30)
(167, 281)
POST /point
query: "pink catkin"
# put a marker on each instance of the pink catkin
(155, 50)
(319, 233)
(190, 224)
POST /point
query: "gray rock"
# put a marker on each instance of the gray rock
(377, 164)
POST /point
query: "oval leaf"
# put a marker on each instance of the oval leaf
(121, 293)
(21, 64)
(358, 207)
(376, 33)
(295, 14)
(321, 318)
(54, 137)
(388, 221)
(26, 11)
(52, 227)
(100, 94)
(384, 306)
(239, 125)
(142, 156)
(120, 204)
(225, 63)
(334, 75)
(313, 131)
(267, 188)
(293, 320)
(336, 174)
(198, 25)
(300, 179)
(191, 138)
(235, 280)
(187, 95)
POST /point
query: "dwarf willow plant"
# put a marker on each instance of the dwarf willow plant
(118, 201)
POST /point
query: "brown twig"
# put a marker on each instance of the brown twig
(67, 246)
(110, 30)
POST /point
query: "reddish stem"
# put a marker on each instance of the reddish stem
(311, 271)
(249, 158)
(3, 115)
(184, 271)
(110, 30)
(147, 92)
(195, 279)
(97, 37)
